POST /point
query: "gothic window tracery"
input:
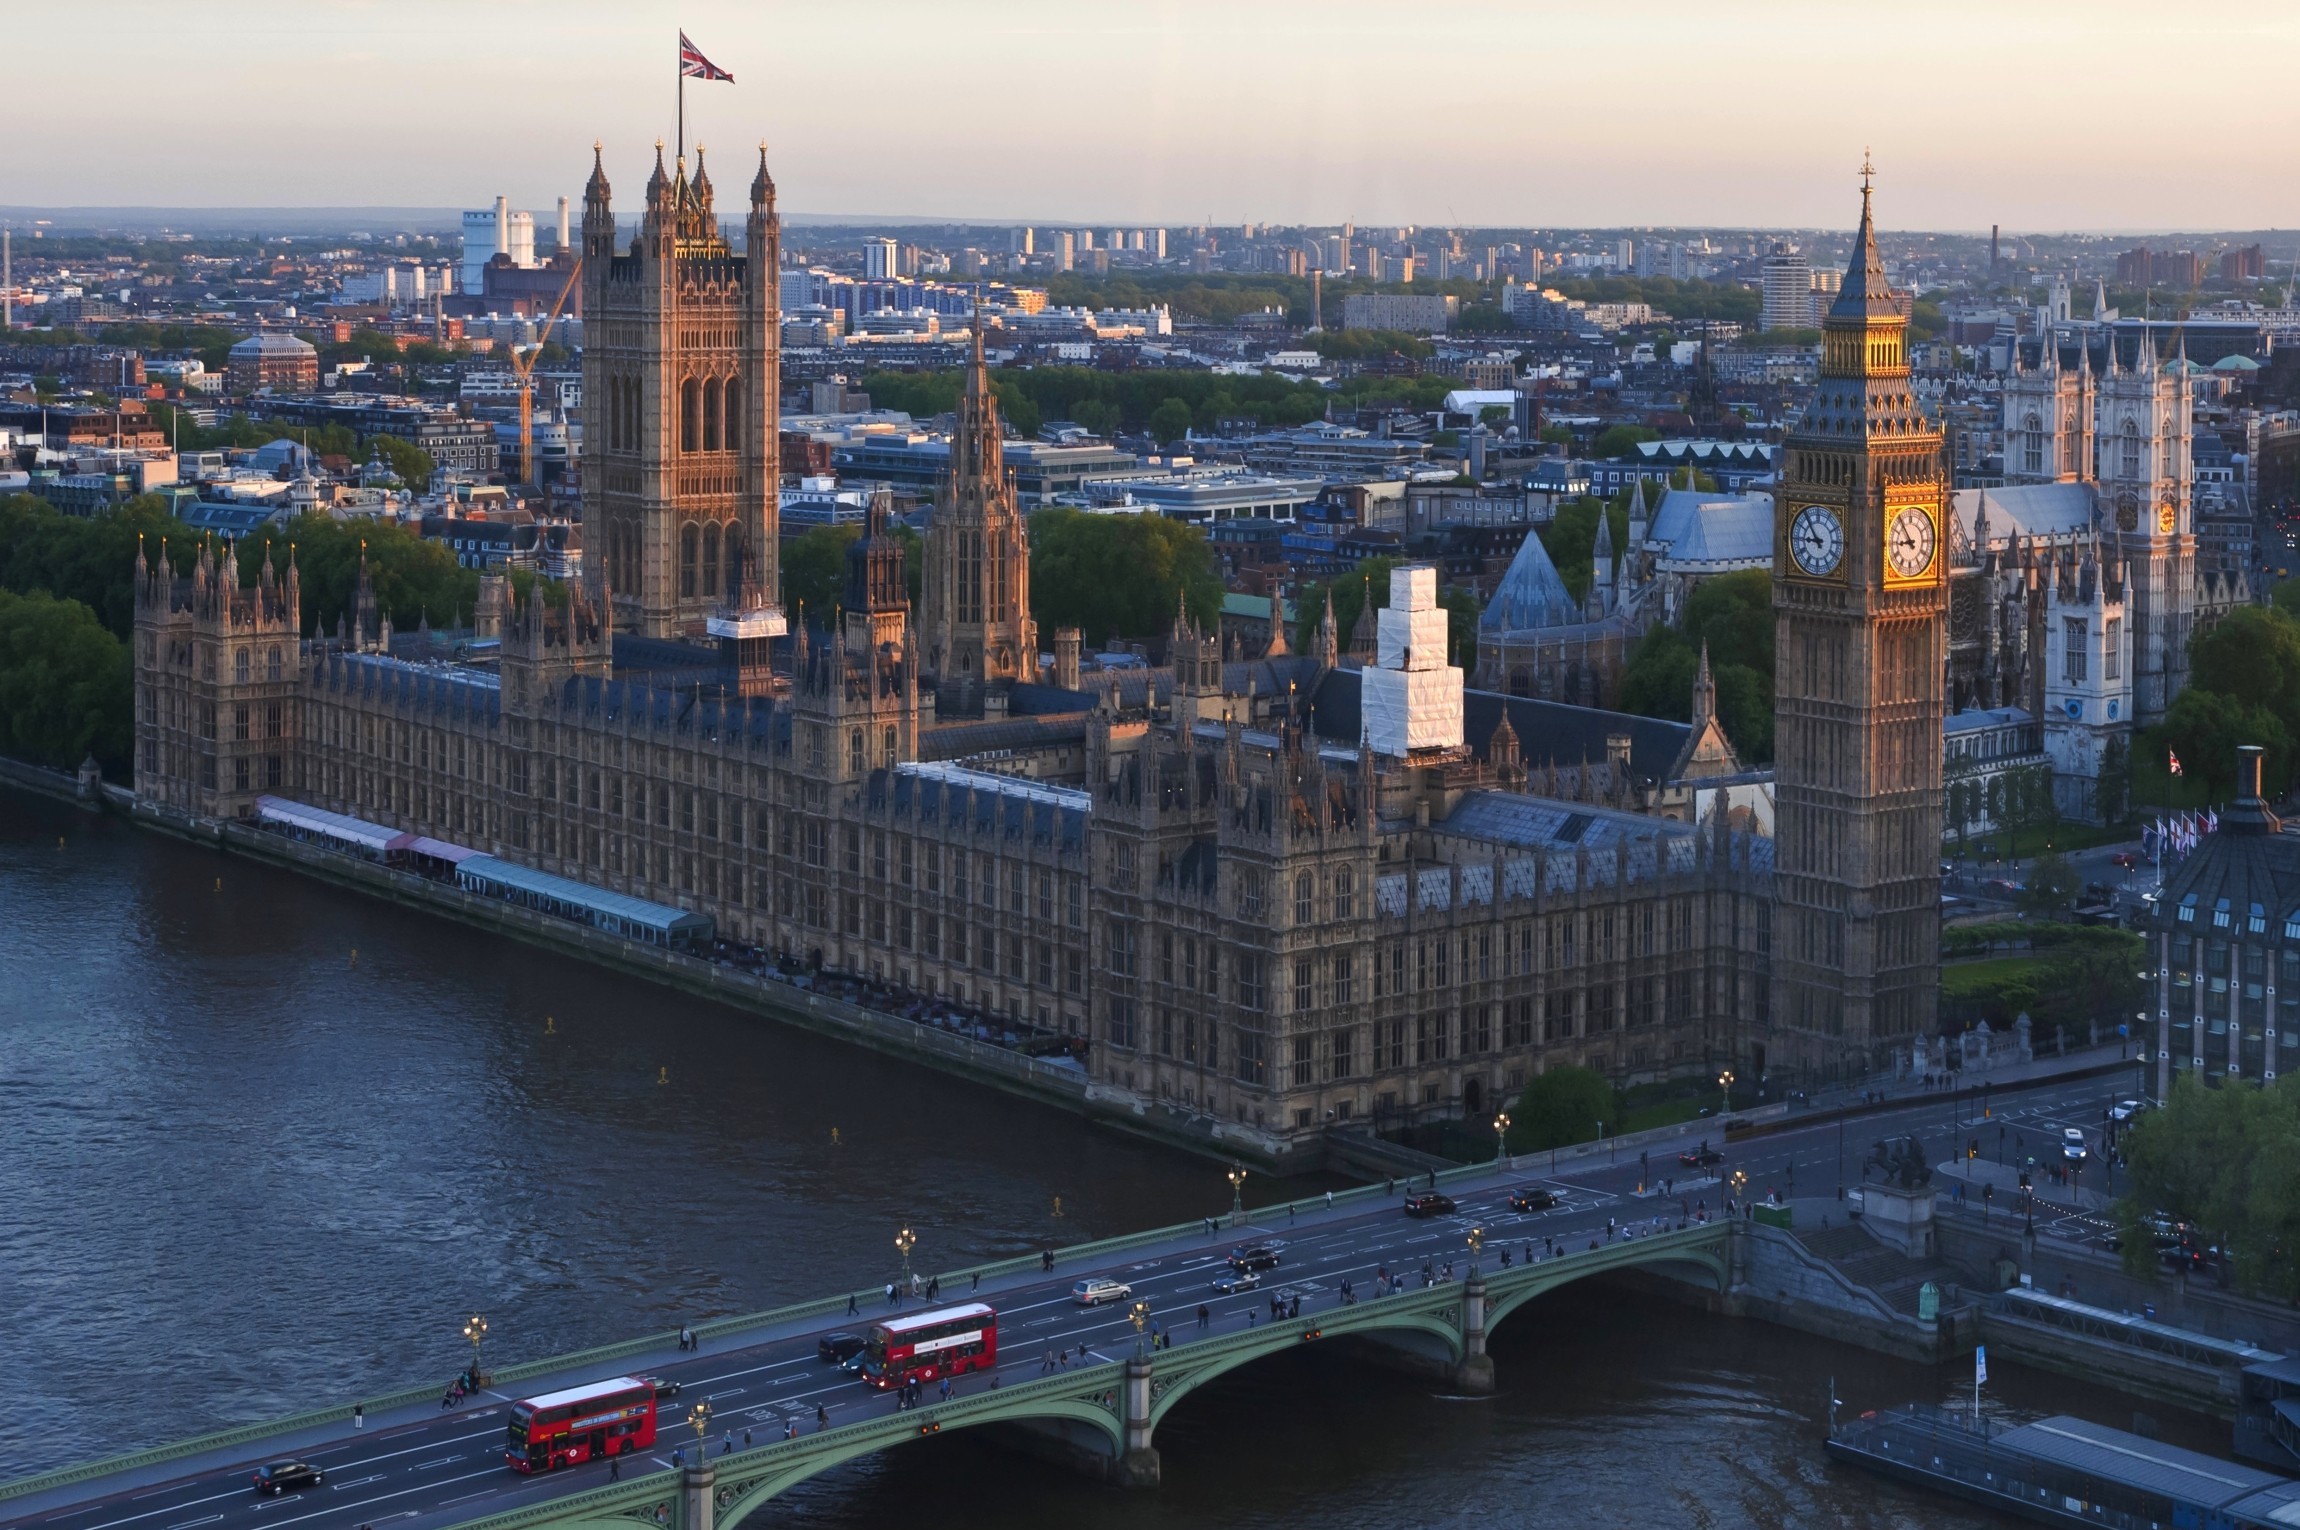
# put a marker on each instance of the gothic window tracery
(712, 400)
(710, 583)
(689, 546)
(690, 415)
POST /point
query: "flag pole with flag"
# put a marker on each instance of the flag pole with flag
(692, 65)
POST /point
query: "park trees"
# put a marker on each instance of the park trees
(1118, 575)
(66, 689)
(1563, 1106)
(2227, 1162)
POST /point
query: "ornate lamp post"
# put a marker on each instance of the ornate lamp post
(1237, 1178)
(699, 1420)
(1725, 1088)
(1740, 1183)
(904, 1242)
(1476, 1242)
(1501, 1139)
(1139, 1315)
(475, 1334)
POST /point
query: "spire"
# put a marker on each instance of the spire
(595, 190)
(762, 184)
(2099, 301)
(1329, 634)
(1704, 691)
(2144, 363)
(1277, 645)
(1866, 294)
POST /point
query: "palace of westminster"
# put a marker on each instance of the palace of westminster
(1283, 891)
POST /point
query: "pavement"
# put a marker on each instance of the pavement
(423, 1466)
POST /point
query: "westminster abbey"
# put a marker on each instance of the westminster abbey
(1282, 892)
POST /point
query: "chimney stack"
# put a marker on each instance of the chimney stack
(564, 245)
(503, 226)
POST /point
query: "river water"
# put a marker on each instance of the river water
(265, 1145)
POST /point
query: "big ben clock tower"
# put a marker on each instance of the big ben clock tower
(1859, 593)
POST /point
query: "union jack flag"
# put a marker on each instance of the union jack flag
(693, 65)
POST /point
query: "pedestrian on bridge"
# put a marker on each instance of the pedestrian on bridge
(1329, 1200)
(746, 1439)
(822, 1418)
(614, 1472)
(727, 1446)
(1204, 1317)
(850, 1304)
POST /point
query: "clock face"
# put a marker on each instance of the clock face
(2166, 519)
(1909, 545)
(1817, 540)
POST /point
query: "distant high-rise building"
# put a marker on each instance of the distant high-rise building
(1134, 240)
(1624, 254)
(1788, 290)
(1084, 240)
(882, 260)
(2249, 264)
(1025, 241)
(1157, 244)
(1065, 251)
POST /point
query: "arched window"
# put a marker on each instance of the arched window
(1345, 894)
(734, 552)
(2131, 462)
(890, 747)
(689, 540)
(690, 415)
(2032, 449)
(240, 666)
(734, 436)
(1305, 897)
(711, 559)
(711, 404)
(855, 751)
(273, 664)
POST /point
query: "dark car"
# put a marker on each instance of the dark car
(1701, 1157)
(1429, 1203)
(1254, 1256)
(287, 1477)
(663, 1385)
(1533, 1198)
(837, 1348)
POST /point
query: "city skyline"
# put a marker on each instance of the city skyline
(1191, 116)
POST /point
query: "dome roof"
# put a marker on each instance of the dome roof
(273, 343)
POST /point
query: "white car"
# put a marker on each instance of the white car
(2125, 1110)
(2072, 1145)
(1093, 1293)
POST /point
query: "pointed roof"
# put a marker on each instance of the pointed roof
(595, 189)
(1866, 294)
(1277, 644)
(1531, 594)
(1707, 751)
(762, 184)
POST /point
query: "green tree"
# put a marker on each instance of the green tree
(815, 572)
(1571, 537)
(2226, 1161)
(1118, 575)
(1563, 1106)
(2252, 656)
(90, 559)
(2203, 729)
(1732, 614)
(1368, 583)
(1619, 441)
(2052, 885)
(66, 689)
(1170, 421)
(414, 580)
(409, 463)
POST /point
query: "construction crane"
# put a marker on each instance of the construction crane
(523, 372)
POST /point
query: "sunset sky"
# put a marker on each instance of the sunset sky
(2117, 114)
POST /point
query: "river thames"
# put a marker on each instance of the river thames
(265, 1144)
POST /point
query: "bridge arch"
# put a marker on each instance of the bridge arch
(1178, 1376)
(1710, 1262)
(750, 1488)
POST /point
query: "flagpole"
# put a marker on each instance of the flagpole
(682, 66)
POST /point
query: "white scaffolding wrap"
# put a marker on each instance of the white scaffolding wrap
(1413, 700)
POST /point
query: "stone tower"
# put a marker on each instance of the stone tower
(217, 667)
(681, 371)
(2048, 416)
(2144, 476)
(975, 598)
(1859, 597)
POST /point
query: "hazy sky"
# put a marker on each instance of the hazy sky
(2037, 114)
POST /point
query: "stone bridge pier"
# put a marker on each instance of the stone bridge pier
(1137, 1463)
(1473, 1373)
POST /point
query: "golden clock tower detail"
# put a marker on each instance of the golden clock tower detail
(1860, 594)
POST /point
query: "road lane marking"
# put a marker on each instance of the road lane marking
(168, 1509)
(380, 1497)
(337, 1487)
(424, 1466)
(730, 1392)
(467, 1497)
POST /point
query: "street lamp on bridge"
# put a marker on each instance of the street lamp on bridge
(1725, 1088)
(1501, 1139)
(475, 1334)
(699, 1420)
(1237, 1178)
(1476, 1242)
(904, 1242)
(1139, 1315)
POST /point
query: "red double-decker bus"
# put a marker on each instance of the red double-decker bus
(606, 1418)
(927, 1346)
